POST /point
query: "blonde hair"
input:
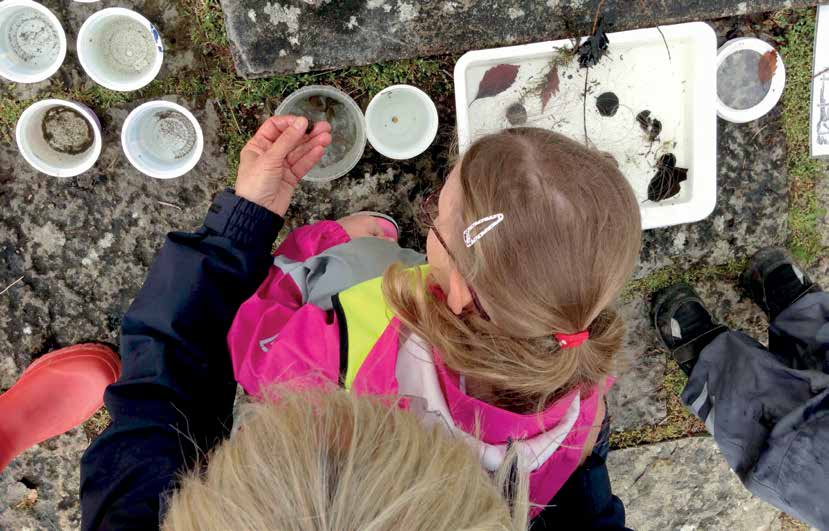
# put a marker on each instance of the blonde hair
(326, 459)
(568, 243)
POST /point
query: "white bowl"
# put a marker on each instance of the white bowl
(120, 49)
(755, 47)
(162, 139)
(401, 122)
(41, 155)
(32, 41)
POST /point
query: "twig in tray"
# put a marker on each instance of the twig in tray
(667, 48)
(584, 107)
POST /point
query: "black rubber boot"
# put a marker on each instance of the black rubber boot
(683, 324)
(774, 281)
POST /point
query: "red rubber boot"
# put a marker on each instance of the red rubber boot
(56, 393)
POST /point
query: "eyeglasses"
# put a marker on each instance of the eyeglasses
(427, 216)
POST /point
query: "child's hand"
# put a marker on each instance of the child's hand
(363, 226)
(277, 157)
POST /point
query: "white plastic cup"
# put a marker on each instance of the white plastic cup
(401, 122)
(32, 41)
(162, 139)
(776, 86)
(120, 49)
(36, 150)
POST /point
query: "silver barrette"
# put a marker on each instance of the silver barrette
(492, 222)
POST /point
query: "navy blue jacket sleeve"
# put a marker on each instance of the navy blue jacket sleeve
(174, 398)
(585, 502)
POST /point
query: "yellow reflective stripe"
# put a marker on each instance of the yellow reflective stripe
(367, 317)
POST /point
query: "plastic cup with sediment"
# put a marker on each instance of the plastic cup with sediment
(58, 137)
(401, 122)
(120, 49)
(162, 139)
(348, 128)
(32, 41)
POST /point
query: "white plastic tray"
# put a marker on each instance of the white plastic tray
(680, 91)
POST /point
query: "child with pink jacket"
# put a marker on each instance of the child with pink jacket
(503, 332)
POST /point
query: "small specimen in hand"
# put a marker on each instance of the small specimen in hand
(665, 184)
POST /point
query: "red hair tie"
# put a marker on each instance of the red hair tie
(572, 340)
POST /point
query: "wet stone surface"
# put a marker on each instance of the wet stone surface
(285, 37)
(83, 244)
(684, 484)
(39, 489)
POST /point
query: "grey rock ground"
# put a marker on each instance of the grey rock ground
(752, 199)
(684, 484)
(39, 489)
(292, 36)
(639, 398)
(83, 246)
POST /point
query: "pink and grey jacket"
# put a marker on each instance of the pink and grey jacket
(320, 317)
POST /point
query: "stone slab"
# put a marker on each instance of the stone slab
(83, 244)
(687, 485)
(638, 398)
(287, 36)
(39, 489)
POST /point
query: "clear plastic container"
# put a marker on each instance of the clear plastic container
(348, 128)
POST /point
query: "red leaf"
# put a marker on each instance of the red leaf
(496, 80)
(767, 66)
(550, 87)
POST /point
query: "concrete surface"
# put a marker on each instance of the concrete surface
(684, 485)
(299, 36)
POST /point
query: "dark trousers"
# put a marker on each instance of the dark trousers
(768, 409)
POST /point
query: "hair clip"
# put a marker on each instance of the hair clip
(493, 221)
